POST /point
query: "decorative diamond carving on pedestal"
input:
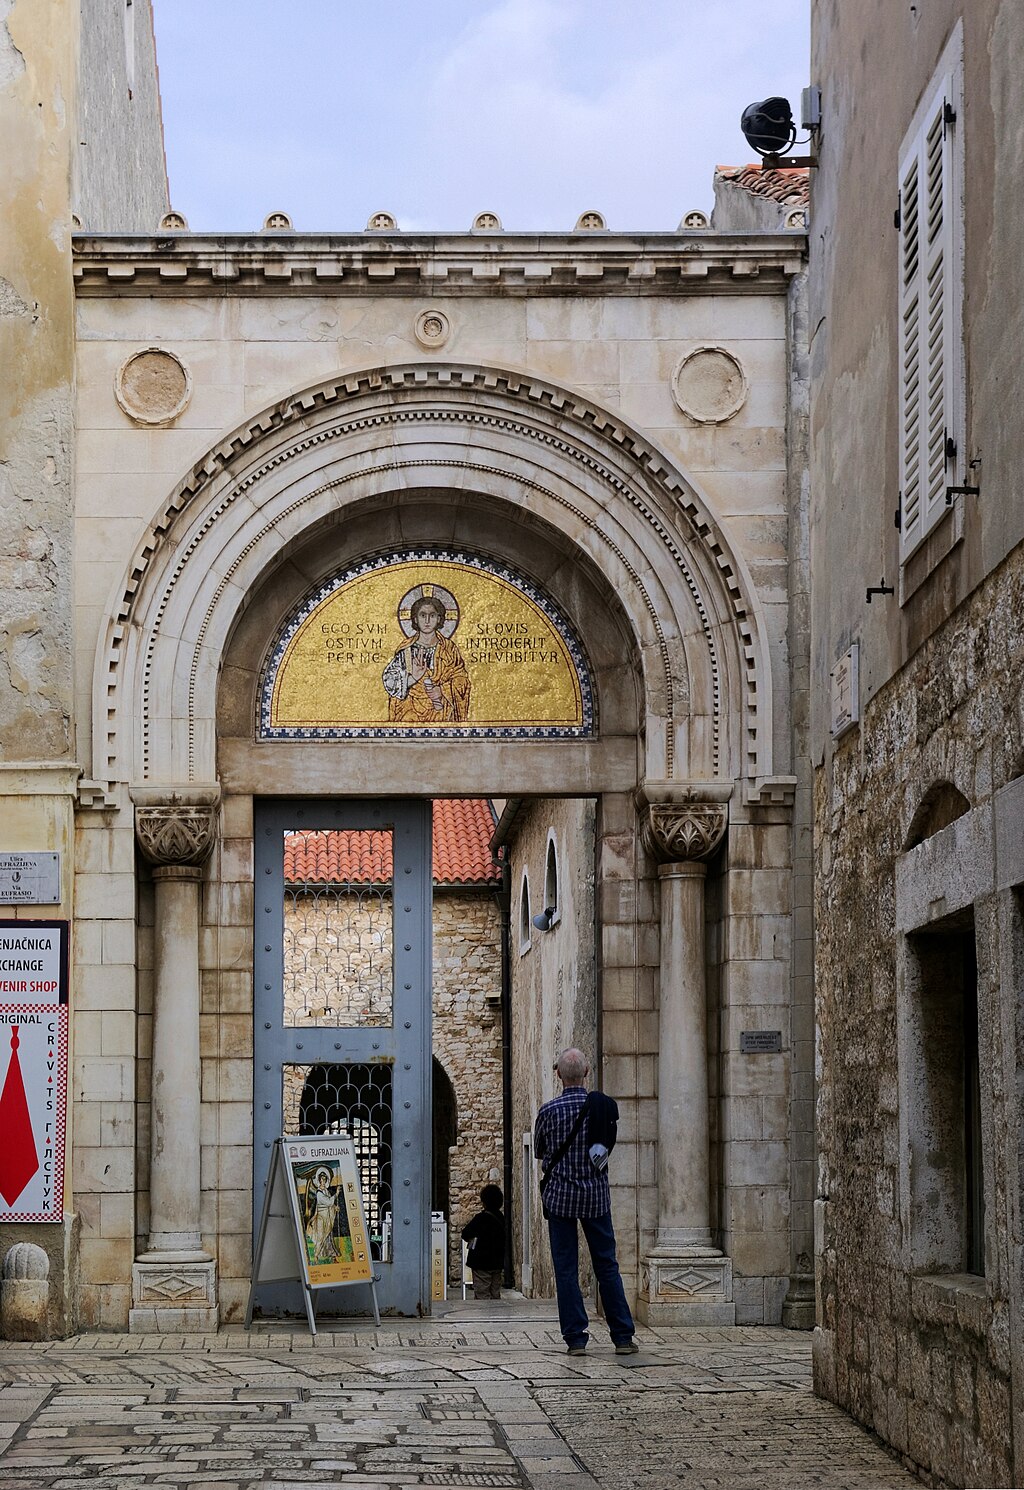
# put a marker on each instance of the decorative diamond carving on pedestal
(173, 1298)
(689, 1280)
(687, 1288)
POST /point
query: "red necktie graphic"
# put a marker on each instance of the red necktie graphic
(18, 1158)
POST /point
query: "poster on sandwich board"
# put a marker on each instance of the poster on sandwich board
(313, 1229)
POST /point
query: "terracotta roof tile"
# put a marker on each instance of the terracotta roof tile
(791, 188)
(462, 854)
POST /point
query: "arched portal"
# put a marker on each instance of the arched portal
(531, 463)
(600, 527)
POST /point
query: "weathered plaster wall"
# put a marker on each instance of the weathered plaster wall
(37, 120)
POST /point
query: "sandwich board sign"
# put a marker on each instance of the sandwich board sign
(313, 1229)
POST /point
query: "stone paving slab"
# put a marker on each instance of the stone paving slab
(466, 1400)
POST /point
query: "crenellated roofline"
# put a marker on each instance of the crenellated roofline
(394, 263)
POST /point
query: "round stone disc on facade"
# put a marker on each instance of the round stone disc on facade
(709, 385)
(153, 386)
(432, 328)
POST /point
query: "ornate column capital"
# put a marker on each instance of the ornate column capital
(176, 826)
(683, 820)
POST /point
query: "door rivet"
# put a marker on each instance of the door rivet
(408, 1067)
(408, 908)
(408, 1024)
(376, 1044)
(268, 948)
(268, 871)
(267, 987)
(337, 1044)
(407, 1183)
(404, 1104)
(266, 1107)
(408, 946)
(408, 986)
(408, 871)
(406, 1221)
(267, 1025)
(408, 1143)
(267, 1066)
(298, 1045)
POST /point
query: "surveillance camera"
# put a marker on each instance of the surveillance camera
(768, 126)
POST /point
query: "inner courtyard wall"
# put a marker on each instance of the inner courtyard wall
(554, 994)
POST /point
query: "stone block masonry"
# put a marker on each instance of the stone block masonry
(909, 1341)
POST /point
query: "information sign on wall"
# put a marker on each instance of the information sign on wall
(30, 879)
(33, 1068)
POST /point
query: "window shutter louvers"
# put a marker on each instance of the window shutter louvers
(926, 321)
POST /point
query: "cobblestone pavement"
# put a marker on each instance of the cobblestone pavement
(482, 1396)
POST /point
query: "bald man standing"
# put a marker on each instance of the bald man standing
(572, 1138)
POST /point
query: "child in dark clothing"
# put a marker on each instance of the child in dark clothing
(486, 1235)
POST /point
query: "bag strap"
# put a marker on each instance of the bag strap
(564, 1148)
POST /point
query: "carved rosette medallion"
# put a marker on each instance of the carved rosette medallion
(178, 831)
(675, 832)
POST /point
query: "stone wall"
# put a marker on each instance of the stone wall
(467, 1042)
(907, 1341)
(554, 996)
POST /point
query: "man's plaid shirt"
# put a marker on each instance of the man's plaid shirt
(576, 1188)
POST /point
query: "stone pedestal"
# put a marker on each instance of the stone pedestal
(685, 1279)
(174, 1282)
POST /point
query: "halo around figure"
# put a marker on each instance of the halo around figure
(429, 592)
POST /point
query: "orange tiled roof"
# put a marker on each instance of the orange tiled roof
(791, 188)
(462, 854)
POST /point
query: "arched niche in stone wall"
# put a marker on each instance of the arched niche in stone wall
(489, 458)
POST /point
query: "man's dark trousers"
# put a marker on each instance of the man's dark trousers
(572, 1314)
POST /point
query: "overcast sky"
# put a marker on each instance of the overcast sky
(435, 110)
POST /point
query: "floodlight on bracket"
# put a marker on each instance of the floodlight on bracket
(768, 127)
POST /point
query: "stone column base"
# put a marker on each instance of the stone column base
(171, 1297)
(798, 1309)
(687, 1286)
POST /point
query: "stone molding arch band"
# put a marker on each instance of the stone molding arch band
(537, 448)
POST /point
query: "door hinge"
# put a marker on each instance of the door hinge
(948, 115)
(897, 516)
(897, 217)
(949, 447)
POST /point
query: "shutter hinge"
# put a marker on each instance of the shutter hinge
(949, 446)
(897, 217)
(897, 516)
(948, 115)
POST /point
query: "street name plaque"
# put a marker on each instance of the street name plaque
(29, 879)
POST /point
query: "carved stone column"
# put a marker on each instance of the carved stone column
(174, 1282)
(685, 1279)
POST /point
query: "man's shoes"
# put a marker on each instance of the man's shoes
(577, 1350)
(627, 1347)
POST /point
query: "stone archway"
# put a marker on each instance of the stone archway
(681, 659)
(544, 453)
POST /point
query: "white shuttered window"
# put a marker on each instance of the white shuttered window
(930, 228)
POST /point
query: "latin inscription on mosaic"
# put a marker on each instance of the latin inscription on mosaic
(427, 642)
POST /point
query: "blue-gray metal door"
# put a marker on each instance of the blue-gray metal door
(342, 1007)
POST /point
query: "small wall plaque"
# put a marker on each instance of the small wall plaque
(760, 1042)
(845, 690)
(30, 879)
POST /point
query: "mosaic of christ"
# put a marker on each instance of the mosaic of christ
(426, 680)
